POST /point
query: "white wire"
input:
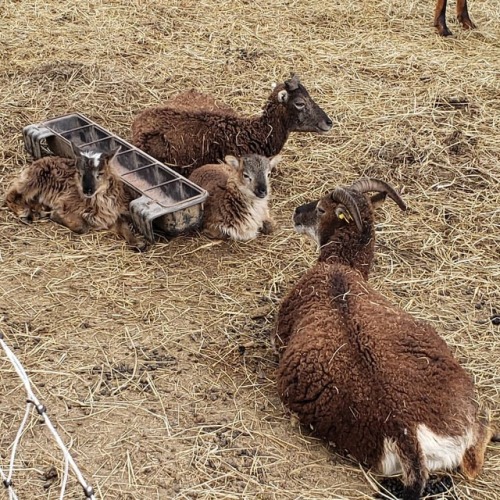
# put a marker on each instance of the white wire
(32, 399)
(16, 441)
(12, 493)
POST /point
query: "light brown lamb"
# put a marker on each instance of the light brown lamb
(82, 194)
(187, 137)
(238, 203)
(362, 373)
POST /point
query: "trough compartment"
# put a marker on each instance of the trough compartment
(164, 199)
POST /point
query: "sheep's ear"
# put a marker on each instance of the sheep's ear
(274, 161)
(76, 150)
(283, 96)
(232, 161)
(109, 155)
(342, 213)
(378, 199)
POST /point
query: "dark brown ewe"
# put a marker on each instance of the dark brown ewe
(82, 194)
(462, 16)
(188, 138)
(362, 373)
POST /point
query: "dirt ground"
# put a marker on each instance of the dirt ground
(157, 368)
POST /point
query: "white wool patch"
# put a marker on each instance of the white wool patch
(248, 229)
(309, 231)
(93, 156)
(440, 452)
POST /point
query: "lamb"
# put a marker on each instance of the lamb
(82, 194)
(462, 16)
(361, 372)
(188, 138)
(237, 206)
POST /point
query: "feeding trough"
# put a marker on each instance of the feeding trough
(165, 201)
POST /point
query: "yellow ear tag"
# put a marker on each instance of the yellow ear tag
(343, 217)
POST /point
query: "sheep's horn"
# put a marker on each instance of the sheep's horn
(340, 195)
(366, 185)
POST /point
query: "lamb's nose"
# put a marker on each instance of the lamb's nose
(329, 122)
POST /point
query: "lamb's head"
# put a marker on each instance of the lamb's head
(252, 173)
(341, 222)
(92, 170)
(303, 114)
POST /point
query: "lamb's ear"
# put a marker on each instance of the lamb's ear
(378, 199)
(274, 161)
(109, 155)
(342, 213)
(232, 161)
(76, 150)
(283, 96)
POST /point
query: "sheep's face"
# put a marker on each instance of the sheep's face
(321, 219)
(303, 113)
(92, 171)
(253, 172)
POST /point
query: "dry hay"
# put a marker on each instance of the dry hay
(157, 368)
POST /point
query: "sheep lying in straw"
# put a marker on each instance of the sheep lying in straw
(462, 16)
(237, 206)
(362, 373)
(188, 138)
(81, 194)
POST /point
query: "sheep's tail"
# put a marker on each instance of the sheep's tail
(413, 466)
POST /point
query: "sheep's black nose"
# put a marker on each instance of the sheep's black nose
(329, 122)
(261, 193)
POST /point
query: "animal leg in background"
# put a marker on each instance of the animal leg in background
(463, 15)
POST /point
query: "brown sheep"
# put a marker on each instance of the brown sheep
(462, 16)
(81, 194)
(362, 373)
(186, 139)
(237, 205)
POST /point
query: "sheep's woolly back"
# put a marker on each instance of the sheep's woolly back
(357, 369)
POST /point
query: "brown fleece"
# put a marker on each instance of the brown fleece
(187, 138)
(53, 185)
(356, 369)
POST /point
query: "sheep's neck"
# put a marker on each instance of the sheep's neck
(273, 125)
(353, 250)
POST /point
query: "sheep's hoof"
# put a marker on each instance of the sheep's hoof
(26, 219)
(443, 30)
(140, 245)
(466, 23)
(267, 227)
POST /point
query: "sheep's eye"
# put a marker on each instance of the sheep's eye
(246, 176)
(320, 210)
(299, 105)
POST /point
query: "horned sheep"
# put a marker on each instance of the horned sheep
(362, 373)
(82, 194)
(204, 134)
(239, 191)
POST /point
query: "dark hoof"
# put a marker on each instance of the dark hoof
(468, 25)
(444, 31)
(140, 246)
(28, 219)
